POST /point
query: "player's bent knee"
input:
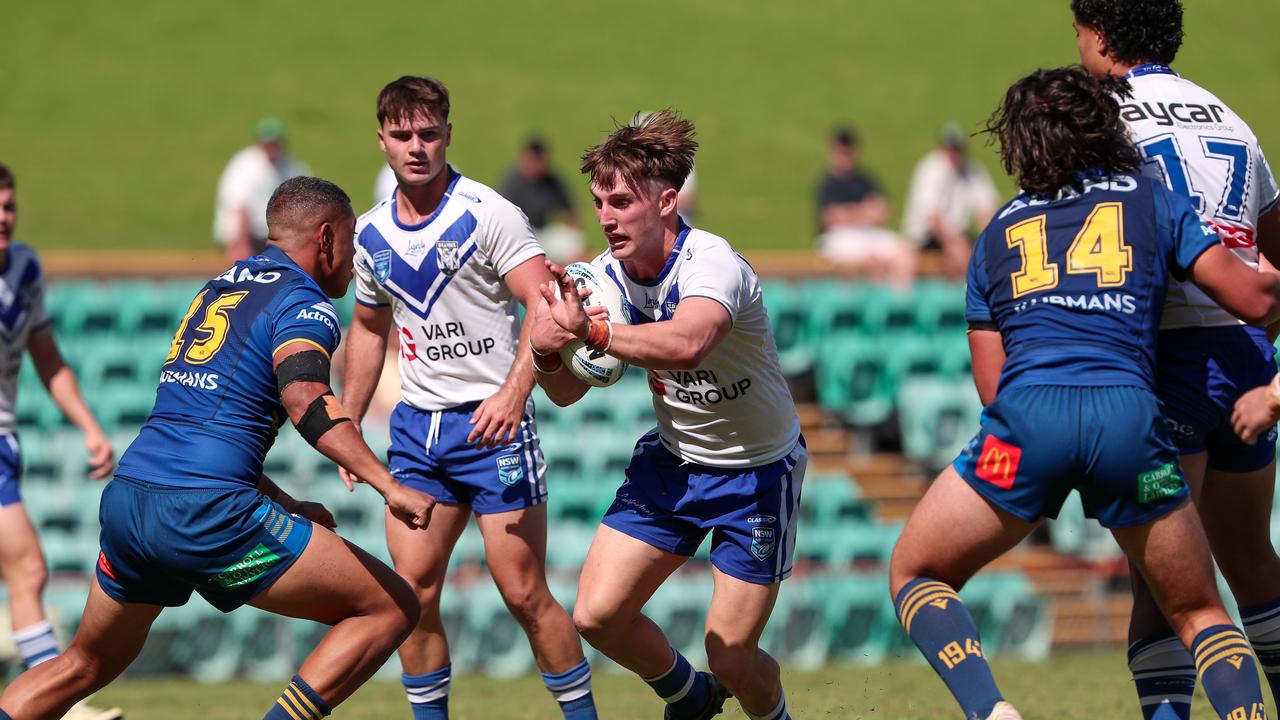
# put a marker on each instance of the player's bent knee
(733, 664)
(30, 576)
(591, 625)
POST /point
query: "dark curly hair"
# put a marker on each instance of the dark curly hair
(1136, 31)
(1055, 124)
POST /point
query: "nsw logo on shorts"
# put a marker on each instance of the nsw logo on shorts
(510, 471)
(763, 537)
(998, 462)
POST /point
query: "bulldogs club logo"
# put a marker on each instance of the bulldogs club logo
(447, 256)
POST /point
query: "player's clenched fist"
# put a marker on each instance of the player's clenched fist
(1255, 411)
(409, 506)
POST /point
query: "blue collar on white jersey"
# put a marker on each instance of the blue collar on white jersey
(671, 260)
(454, 176)
(1150, 69)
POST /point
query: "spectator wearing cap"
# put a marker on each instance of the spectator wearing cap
(534, 188)
(246, 184)
(950, 199)
(852, 218)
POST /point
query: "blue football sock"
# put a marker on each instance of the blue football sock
(940, 625)
(1262, 625)
(1164, 674)
(36, 643)
(1228, 672)
(429, 693)
(298, 702)
(572, 689)
(686, 691)
(779, 711)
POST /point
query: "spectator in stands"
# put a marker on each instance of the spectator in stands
(246, 184)
(540, 194)
(949, 198)
(852, 214)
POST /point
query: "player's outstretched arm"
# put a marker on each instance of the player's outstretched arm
(60, 381)
(365, 353)
(497, 419)
(1252, 296)
(302, 373)
(546, 338)
(681, 343)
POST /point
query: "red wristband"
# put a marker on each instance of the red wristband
(599, 335)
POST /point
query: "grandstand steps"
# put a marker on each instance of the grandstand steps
(1087, 622)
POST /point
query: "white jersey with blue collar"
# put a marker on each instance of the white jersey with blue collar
(735, 409)
(1191, 141)
(443, 278)
(21, 313)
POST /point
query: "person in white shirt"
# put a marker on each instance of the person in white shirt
(726, 458)
(1193, 143)
(446, 261)
(245, 186)
(948, 197)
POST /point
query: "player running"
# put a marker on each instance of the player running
(189, 508)
(1068, 280)
(1195, 145)
(727, 456)
(447, 260)
(23, 323)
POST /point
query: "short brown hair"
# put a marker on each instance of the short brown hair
(658, 146)
(400, 100)
(1055, 124)
(7, 181)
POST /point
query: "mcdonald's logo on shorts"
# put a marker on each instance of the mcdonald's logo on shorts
(998, 462)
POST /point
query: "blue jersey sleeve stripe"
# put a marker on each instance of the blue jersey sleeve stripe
(308, 341)
(1274, 201)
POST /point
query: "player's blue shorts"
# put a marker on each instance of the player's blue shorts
(10, 470)
(1040, 442)
(429, 452)
(750, 512)
(1200, 372)
(161, 542)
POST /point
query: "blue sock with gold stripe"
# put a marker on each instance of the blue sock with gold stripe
(1228, 672)
(298, 702)
(940, 625)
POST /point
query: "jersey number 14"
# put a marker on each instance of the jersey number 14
(1099, 248)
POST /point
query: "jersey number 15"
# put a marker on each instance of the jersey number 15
(213, 328)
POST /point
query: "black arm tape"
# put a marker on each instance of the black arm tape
(322, 415)
(305, 366)
(981, 325)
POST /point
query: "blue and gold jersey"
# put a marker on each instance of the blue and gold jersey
(217, 407)
(1075, 283)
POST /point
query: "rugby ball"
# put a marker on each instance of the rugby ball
(592, 366)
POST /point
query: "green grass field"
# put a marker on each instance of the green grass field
(119, 117)
(1087, 686)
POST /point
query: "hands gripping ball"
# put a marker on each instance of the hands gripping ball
(592, 366)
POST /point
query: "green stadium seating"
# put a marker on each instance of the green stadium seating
(788, 310)
(830, 501)
(937, 417)
(858, 617)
